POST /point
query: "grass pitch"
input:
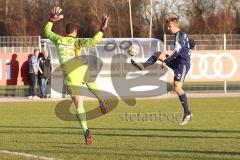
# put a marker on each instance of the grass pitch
(149, 130)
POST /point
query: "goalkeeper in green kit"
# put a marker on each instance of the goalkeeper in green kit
(75, 72)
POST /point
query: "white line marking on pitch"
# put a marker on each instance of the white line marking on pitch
(26, 155)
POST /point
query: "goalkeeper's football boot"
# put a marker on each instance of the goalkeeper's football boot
(186, 119)
(137, 65)
(103, 107)
(88, 137)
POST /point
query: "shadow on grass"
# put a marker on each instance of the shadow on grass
(8, 132)
(125, 129)
(163, 150)
(202, 152)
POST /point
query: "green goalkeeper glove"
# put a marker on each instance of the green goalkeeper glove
(104, 23)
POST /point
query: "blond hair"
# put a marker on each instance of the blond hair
(174, 20)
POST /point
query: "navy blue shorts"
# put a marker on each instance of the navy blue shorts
(180, 71)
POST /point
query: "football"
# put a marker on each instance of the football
(133, 50)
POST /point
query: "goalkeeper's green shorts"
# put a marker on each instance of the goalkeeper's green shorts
(75, 79)
(74, 90)
(77, 76)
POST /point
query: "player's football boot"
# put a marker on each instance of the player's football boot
(103, 107)
(186, 119)
(88, 137)
(137, 65)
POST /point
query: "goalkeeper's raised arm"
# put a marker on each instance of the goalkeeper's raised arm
(82, 42)
(54, 17)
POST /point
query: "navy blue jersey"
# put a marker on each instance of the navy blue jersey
(181, 52)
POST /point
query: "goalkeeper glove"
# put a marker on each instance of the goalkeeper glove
(55, 14)
(104, 23)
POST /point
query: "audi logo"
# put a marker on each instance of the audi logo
(203, 64)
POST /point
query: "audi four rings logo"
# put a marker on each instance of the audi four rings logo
(203, 64)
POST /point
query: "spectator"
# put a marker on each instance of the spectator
(44, 73)
(33, 70)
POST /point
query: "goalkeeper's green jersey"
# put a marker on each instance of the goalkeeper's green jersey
(69, 49)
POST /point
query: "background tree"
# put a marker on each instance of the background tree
(26, 17)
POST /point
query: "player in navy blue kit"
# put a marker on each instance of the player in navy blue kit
(179, 61)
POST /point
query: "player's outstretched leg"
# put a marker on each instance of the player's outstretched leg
(151, 60)
(137, 65)
(183, 99)
(81, 117)
(92, 86)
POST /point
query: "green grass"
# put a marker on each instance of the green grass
(214, 132)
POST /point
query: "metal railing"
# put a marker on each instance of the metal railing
(20, 41)
(209, 42)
